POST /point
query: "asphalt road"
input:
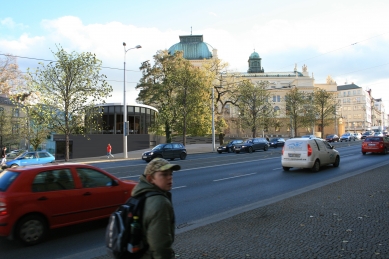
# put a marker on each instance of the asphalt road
(209, 186)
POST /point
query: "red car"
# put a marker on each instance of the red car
(35, 199)
(375, 144)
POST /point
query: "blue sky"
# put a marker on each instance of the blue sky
(348, 40)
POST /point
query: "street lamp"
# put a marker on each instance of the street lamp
(124, 101)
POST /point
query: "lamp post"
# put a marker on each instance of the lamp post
(124, 101)
(213, 120)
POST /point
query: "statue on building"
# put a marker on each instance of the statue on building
(305, 68)
(330, 81)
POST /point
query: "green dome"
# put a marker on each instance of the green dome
(254, 55)
(192, 46)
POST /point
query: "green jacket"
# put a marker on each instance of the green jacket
(158, 221)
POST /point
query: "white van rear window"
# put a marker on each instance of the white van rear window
(296, 145)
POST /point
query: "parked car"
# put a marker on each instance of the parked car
(375, 144)
(347, 137)
(276, 142)
(378, 134)
(167, 151)
(332, 138)
(252, 145)
(31, 158)
(366, 134)
(308, 153)
(357, 136)
(34, 199)
(230, 147)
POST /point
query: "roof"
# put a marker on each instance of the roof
(347, 87)
(254, 55)
(193, 47)
(272, 74)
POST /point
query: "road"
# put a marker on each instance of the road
(208, 186)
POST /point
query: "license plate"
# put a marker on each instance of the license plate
(371, 144)
(293, 155)
(144, 156)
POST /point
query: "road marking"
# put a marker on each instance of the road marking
(233, 177)
(178, 187)
(131, 176)
(277, 168)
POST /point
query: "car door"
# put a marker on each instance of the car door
(256, 144)
(43, 158)
(60, 202)
(168, 151)
(99, 195)
(29, 159)
(177, 150)
(324, 153)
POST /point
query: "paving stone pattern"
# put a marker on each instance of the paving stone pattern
(346, 219)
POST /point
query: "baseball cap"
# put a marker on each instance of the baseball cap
(160, 164)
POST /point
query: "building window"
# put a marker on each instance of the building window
(277, 110)
(15, 112)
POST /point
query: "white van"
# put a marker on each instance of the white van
(308, 153)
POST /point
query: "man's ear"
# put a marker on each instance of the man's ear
(149, 177)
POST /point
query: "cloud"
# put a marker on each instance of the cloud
(9, 23)
(212, 13)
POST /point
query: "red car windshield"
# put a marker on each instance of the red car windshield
(6, 179)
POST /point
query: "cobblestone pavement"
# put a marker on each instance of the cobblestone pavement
(345, 219)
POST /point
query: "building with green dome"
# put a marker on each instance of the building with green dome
(194, 48)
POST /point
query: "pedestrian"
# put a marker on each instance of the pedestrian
(158, 222)
(109, 150)
(3, 155)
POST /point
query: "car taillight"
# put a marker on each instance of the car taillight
(381, 144)
(3, 209)
(309, 150)
(283, 149)
(364, 144)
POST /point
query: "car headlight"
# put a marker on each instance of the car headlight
(151, 153)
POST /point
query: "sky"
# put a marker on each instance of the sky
(346, 39)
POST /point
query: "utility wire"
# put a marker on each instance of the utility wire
(39, 59)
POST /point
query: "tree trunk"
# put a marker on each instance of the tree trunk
(168, 133)
(67, 147)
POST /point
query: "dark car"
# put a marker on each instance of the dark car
(252, 145)
(332, 138)
(167, 151)
(36, 198)
(375, 144)
(230, 147)
(367, 134)
(347, 137)
(276, 142)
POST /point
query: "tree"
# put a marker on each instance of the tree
(296, 101)
(10, 75)
(179, 91)
(325, 107)
(66, 89)
(254, 105)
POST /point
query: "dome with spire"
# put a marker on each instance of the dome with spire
(254, 55)
(193, 47)
(255, 63)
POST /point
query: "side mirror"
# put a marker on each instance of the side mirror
(115, 183)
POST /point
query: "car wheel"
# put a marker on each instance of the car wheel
(265, 148)
(219, 152)
(182, 156)
(385, 151)
(316, 166)
(172, 159)
(337, 161)
(275, 146)
(237, 152)
(250, 150)
(31, 230)
(363, 153)
(14, 165)
(286, 168)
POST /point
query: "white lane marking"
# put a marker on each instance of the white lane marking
(178, 187)
(277, 168)
(233, 177)
(235, 163)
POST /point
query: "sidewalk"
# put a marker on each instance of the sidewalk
(348, 218)
(137, 154)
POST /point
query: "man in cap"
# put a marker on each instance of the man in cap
(158, 221)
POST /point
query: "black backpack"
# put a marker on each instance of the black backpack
(118, 232)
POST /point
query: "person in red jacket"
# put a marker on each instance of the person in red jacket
(109, 150)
